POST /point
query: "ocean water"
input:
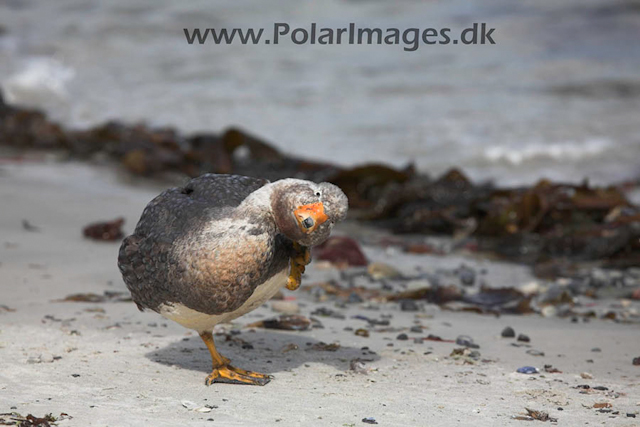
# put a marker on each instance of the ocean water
(557, 96)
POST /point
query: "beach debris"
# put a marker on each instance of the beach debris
(527, 370)
(636, 361)
(341, 251)
(6, 309)
(322, 346)
(551, 370)
(358, 366)
(431, 337)
(289, 347)
(369, 420)
(327, 312)
(600, 405)
(107, 231)
(287, 322)
(533, 415)
(107, 296)
(466, 341)
(14, 418)
(523, 338)
(586, 376)
(192, 406)
(402, 337)
(27, 226)
(361, 332)
(466, 354)
(508, 332)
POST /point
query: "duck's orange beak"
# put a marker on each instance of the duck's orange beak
(310, 216)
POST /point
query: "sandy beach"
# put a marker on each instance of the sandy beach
(107, 364)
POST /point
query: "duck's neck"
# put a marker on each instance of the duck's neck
(258, 204)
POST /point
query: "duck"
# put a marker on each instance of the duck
(220, 246)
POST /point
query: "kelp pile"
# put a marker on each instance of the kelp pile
(550, 225)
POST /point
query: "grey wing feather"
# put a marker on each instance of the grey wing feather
(145, 257)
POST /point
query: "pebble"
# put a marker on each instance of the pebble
(636, 361)
(596, 349)
(508, 332)
(409, 305)
(466, 341)
(523, 338)
(285, 307)
(416, 329)
(586, 376)
(467, 276)
(527, 370)
(369, 420)
(354, 298)
(402, 337)
(535, 352)
(379, 270)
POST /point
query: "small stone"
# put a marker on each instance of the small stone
(409, 305)
(379, 270)
(527, 370)
(466, 341)
(596, 350)
(601, 388)
(535, 352)
(586, 376)
(508, 332)
(285, 307)
(416, 329)
(524, 338)
(354, 298)
(467, 276)
(369, 420)
(636, 361)
(630, 415)
(402, 337)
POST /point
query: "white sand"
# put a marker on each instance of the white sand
(135, 371)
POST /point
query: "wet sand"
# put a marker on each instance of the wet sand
(107, 364)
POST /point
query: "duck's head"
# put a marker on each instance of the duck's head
(305, 212)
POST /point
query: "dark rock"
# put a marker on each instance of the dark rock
(369, 420)
(402, 337)
(524, 338)
(466, 341)
(416, 329)
(636, 361)
(467, 276)
(409, 305)
(508, 332)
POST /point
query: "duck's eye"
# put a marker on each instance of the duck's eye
(308, 222)
(318, 194)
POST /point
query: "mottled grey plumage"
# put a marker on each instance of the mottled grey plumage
(209, 244)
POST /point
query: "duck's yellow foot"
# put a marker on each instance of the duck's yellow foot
(232, 375)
